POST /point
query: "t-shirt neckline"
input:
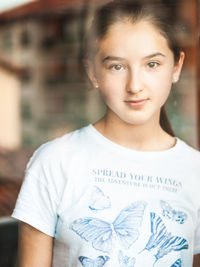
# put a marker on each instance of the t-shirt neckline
(122, 149)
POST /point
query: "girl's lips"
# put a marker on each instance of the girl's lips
(136, 103)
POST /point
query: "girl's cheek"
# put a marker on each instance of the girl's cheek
(161, 78)
(110, 80)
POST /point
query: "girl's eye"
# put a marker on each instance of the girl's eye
(153, 65)
(117, 67)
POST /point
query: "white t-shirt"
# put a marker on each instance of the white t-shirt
(107, 205)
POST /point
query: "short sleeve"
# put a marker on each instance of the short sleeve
(197, 236)
(38, 199)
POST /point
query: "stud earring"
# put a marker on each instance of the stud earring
(175, 79)
(96, 86)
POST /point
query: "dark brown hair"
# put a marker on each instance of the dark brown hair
(156, 12)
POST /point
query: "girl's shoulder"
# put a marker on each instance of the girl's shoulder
(187, 147)
(187, 151)
(62, 147)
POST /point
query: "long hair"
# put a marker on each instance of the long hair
(165, 123)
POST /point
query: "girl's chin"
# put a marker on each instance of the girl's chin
(134, 122)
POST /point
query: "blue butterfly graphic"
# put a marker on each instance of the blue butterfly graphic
(99, 201)
(102, 234)
(163, 241)
(174, 215)
(177, 263)
(125, 261)
(98, 262)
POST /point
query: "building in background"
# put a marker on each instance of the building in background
(44, 37)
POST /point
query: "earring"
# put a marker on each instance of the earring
(96, 86)
(175, 79)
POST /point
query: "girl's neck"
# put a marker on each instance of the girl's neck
(146, 137)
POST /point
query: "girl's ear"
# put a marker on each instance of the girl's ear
(89, 66)
(178, 67)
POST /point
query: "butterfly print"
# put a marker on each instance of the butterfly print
(177, 263)
(125, 261)
(99, 201)
(163, 241)
(101, 234)
(171, 214)
(98, 262)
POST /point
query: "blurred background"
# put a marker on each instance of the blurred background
(44, 92)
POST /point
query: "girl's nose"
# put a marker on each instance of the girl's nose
(134, 82)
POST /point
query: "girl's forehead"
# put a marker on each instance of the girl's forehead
(141, 37)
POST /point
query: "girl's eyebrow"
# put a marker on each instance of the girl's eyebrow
(154, 55)
(114, 58)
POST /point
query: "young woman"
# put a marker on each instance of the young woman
(124, 191)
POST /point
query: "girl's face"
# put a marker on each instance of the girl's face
(134, 69)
